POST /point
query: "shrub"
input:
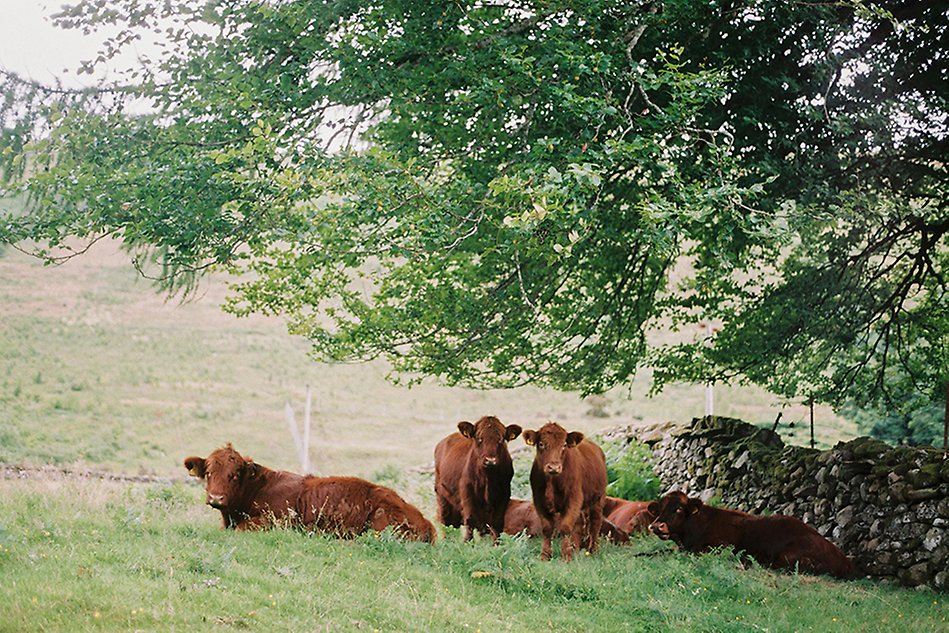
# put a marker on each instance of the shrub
(629, 470)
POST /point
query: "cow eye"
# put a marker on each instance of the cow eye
(540, 445)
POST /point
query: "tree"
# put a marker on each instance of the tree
(498, 193)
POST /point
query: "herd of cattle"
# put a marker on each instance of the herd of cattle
(473, 472)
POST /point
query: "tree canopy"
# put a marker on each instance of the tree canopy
(508, 192)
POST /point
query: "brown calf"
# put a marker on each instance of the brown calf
(568, 482)
(629, 516)
(522, 517)
(473, 472)
(251, 496)
(779, 542)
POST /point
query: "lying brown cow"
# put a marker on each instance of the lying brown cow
(522, 517)
(568, 482)
(774, 541)
(251, 496)
(473, 472)
(629, 516)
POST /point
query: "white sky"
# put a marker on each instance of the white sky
(32, 46)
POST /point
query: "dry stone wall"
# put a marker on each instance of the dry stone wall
(886, 507)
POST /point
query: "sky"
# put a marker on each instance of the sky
(30, 45)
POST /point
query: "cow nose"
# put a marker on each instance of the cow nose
(215, 500)
(553, 469)
(659, 530)
(490, 461)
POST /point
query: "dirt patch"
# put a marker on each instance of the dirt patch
(52, 473)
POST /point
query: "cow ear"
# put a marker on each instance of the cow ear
(574, 438)
(195, 466)
(530, 437)
(511, 432)
(467, 429)
(694, 505)
(653, 508)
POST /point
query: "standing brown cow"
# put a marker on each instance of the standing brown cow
(473, 472)
(774, 541)
(251, 496)
(568, 481)
(629, 516)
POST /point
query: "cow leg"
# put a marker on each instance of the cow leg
(593, 528)
(447, 515)
(470, 527)
(258, 522)
(567, 535)
(547, 529)
(566, 546)
(497, 524)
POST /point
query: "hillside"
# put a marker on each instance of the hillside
(101, 371)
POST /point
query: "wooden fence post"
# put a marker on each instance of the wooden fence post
(306, 432)
(811, 405)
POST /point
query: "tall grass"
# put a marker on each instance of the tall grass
(98, 556)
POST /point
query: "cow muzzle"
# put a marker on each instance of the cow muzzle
(660, 529)
(490, 461)
(553, 469)
(216, 501)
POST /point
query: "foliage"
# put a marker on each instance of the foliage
(499, 193)
(629, 471)
(917, 421)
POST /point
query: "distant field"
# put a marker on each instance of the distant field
(98, 370)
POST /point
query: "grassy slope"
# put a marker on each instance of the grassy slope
(99, 556)
(98, 370)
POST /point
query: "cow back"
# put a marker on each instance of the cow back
(629, 516)
(521, 517)
(349, 506)
(451, 454)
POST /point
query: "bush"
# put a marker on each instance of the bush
(917, 421)
(629, 471)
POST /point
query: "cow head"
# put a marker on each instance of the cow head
(552, 441)
(225, 472)
(489, 437)
(672, 512)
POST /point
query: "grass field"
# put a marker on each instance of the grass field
(90, 555)
(97, 370)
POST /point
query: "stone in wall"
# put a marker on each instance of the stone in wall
(885, 507)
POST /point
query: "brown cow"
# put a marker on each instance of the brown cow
(522, 517)
(251, 496)
(774, 541)
(473, 472)
(629, 516)
(568, 482)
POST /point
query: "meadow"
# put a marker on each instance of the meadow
(98, 372)
(88, 555)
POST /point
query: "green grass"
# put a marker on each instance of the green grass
(98, 371)
(103, 556)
